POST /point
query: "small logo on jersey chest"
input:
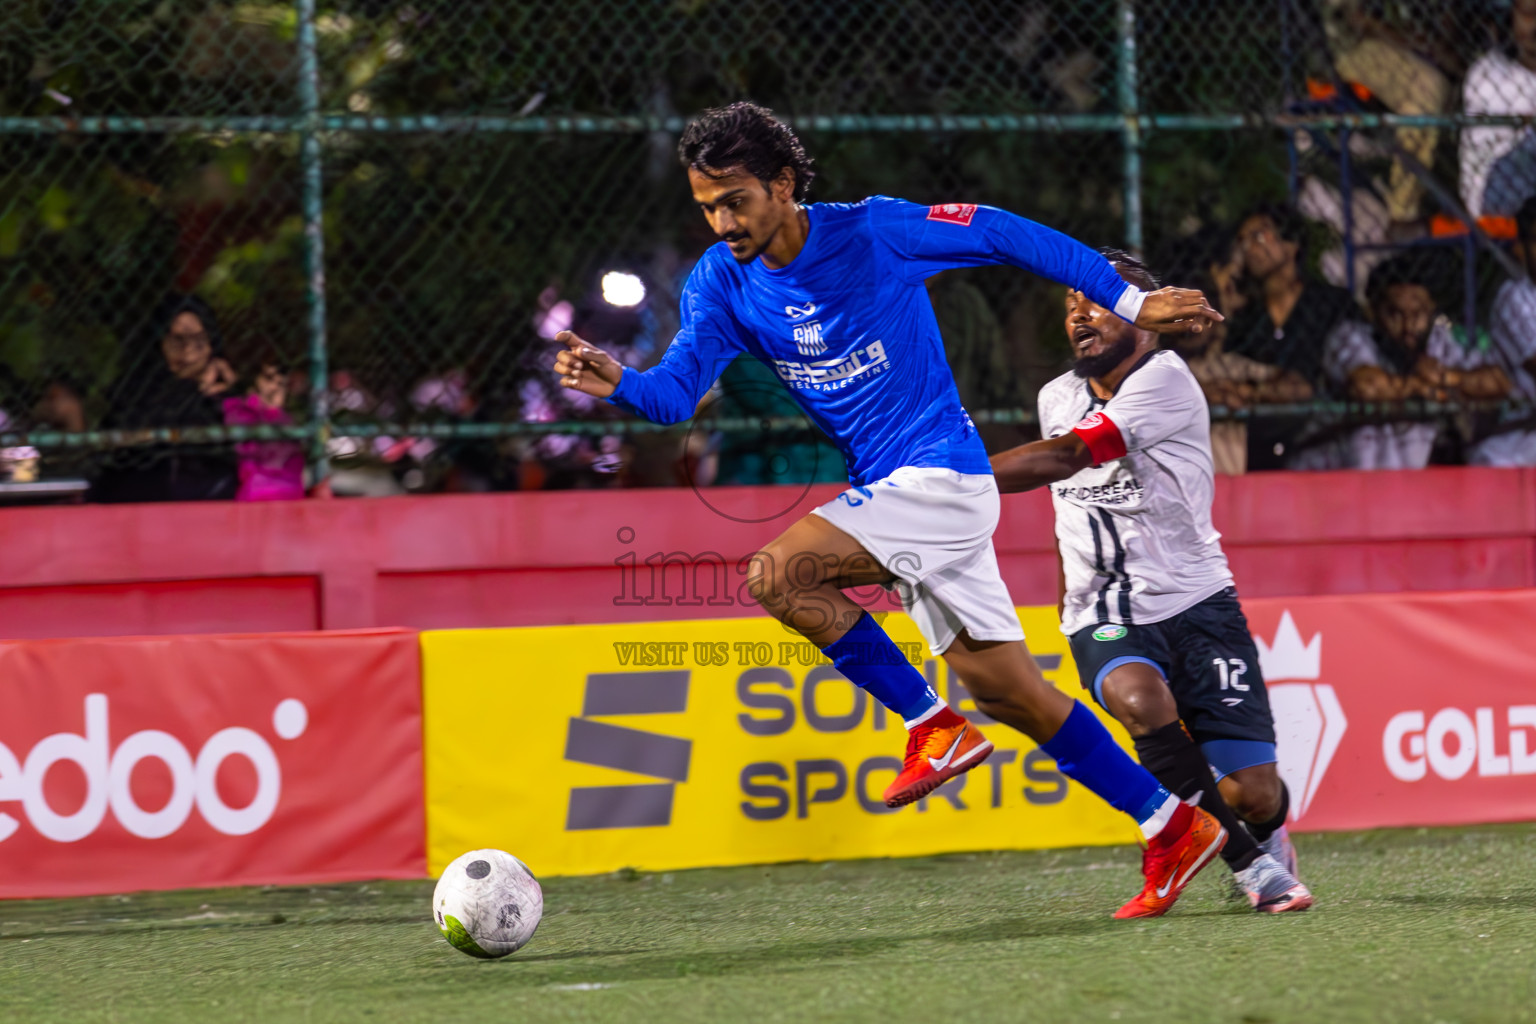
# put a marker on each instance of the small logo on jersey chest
(1120, 489)
(1109, 633)
(954, 213)
(800, 312)
(808, 340)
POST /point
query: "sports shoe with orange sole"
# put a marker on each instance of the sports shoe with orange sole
(1173, 857)
(938, 749)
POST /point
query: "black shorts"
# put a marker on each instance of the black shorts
(1210, 662)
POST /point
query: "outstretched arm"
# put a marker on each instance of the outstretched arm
(670, 391)
(929, 239)
(1040, 462)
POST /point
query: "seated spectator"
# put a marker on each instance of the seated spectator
(174, 375)
(1409, 352)
(1498, 162)
(1513, 327)
(1233, 381)
(1287, 319)
(457, 464)
(564, 461)
(60, 406)
(269, 470)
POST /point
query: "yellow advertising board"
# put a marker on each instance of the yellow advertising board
(585, 749)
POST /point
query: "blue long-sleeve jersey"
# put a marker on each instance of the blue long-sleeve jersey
(848, 327)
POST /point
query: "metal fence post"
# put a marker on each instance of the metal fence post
(314, 240)
(1130, 114)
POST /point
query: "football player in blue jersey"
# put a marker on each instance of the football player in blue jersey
(831, 297)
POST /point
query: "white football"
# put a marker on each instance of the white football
(487, 904)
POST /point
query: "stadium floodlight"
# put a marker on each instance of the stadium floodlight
(623, 290)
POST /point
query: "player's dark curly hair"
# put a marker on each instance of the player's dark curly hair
(748, 136)
(1131, 268)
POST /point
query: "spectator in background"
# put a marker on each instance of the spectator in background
(1498, 163)
(269, 470)
(564, 461)
(59, 405)
(455, 465)
(1408, 352)
(1513, 327)
(582, 461)
(362, 465)
(1286, 320)
(1231, 380)
(175, 375)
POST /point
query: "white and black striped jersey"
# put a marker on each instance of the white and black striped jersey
(1135, 533)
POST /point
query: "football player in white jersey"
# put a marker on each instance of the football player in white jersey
(1147, 599)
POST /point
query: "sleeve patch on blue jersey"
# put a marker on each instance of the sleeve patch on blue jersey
(954, 213)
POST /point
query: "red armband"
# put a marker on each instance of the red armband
(1102, 437)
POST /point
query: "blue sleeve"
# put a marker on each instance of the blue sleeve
(928, 239)
(708, 340)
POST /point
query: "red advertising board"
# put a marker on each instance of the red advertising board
(158, 763)
(1403, 709)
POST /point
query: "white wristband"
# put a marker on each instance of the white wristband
(1128, 306)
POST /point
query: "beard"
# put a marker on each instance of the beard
(750, 255)
(1098, 365)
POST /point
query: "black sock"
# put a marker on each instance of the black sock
(1172, 757)
(1264, 829)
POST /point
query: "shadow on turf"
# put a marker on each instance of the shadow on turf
(790, 956)
(201, 923)
(1524, 899)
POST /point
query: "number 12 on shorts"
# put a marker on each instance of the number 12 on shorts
(1231, 671)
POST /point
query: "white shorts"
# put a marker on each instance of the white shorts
(932, 528)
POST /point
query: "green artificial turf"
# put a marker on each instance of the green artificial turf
(1425, 925)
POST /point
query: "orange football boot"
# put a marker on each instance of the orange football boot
(938, 748)
(1173, 857)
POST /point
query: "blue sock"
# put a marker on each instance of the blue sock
(866, 655)
(1085, 751)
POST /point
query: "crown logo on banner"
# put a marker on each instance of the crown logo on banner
(1288, 657)
(1309, 720)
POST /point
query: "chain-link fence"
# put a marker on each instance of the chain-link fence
(386, 208)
